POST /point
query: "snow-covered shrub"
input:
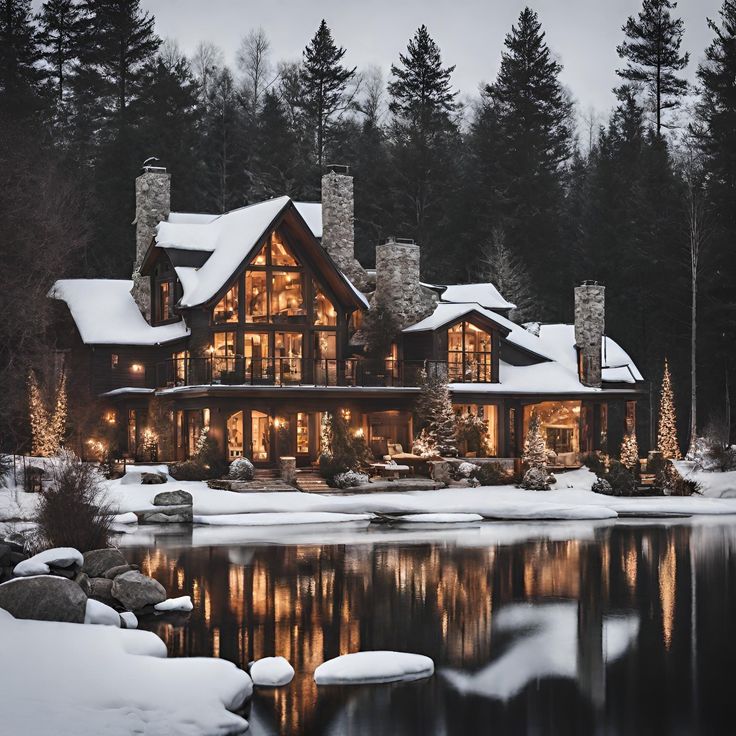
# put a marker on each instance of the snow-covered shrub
(601, 485)
(6, 465)
(671, 483)
(465, 470)
(551, 479)
(713, 455)
(241, 469)
(535, 479)
(73, 510)
(493, 474)
(350, 479)
(424, 445)
(188, 470)
(595, 462)
(621, 479)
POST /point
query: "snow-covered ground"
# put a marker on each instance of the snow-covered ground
(713, 485)
(570, 499)
(77, 680)
(373, 667)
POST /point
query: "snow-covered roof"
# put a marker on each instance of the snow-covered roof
(203, 239)
(445, 313)
(487, 295)
(312, 214)
(559, 342)
(106, 313)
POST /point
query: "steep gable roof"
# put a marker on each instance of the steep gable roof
(486, 295)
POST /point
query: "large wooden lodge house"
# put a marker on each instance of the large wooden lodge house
(249, 324)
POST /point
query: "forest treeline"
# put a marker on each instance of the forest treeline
(517, 185)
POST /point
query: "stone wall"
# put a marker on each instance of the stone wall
(152, 204)
(589, 329)
(338, 232)
(397, 282)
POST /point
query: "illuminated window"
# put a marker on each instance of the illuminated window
(559, 422)
(483, 442)
(179, 360)
(165, 301)
(325, 356)
(287, 298)
(132, 425)
(288, 355)
(630, 416)
(256, 297)
(257, 356)
(114, 360)
(227, 308)
(260, 436)
(235, 435)
(324, 310)
(302, 433)
(280, 254)
(469, 354)
(223, 356)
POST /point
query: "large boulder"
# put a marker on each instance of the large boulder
(136, 591)
(113, 572)
(173, 498)
(98, 561)
(44, 598)
(152, 479)
(167, 515)
(101, 590)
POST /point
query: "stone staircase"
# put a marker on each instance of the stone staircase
(646, 483)
(310, 481)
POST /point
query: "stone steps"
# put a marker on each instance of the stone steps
(311, 482)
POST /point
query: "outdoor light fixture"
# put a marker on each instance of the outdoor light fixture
(136, 368)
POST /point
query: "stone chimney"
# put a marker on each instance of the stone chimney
(590, 316)
(338, 214)
(397, 281)
(152, 204)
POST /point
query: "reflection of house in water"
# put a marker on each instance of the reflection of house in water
(514, 615)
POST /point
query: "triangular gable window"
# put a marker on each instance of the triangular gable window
(280, 253)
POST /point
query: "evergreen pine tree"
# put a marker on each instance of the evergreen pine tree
(716, 131)
(667, 425)
(435, 414)
(425, 139)
(19, 76)
(533, 119)
(325, 82)
(57, 36)
(535, 450)
(652, 54)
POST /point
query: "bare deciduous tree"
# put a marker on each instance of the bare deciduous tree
(206, 63)
(255, 65)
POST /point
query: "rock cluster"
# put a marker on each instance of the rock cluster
(172, 507)
(98, 587)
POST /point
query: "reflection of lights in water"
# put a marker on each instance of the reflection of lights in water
(630, 567)
(215, 642)
(667, 581)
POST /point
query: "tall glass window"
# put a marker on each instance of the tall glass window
(469, 354)
(227, 308)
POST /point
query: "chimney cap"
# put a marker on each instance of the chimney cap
(150, 164)
(590, 282)
(398, 241)
(343, 169)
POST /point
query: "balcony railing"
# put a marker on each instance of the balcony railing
(244, 371)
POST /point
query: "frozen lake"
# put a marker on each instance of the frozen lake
(555, 628)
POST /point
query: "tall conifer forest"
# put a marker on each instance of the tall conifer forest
(512, 186)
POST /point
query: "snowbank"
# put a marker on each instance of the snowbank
(373, 667)
(182, 603)
(713, 485)
(40, 564)
(74, 680)
(437, 518)
(271, 672)
(256, 519)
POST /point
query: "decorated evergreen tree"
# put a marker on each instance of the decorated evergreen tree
(652, 54)
(435, 414)
(667, 426)
(629, 454)
(325, 82)
(535, 450)
(38, 417)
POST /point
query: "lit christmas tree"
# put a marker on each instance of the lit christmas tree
(434, 410)
(535, 450)
(630, 451)
(58, 419)
(667, 426)
(39, 419)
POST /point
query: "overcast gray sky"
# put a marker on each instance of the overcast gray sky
(583, 33)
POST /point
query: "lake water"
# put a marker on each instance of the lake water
(555, 628)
